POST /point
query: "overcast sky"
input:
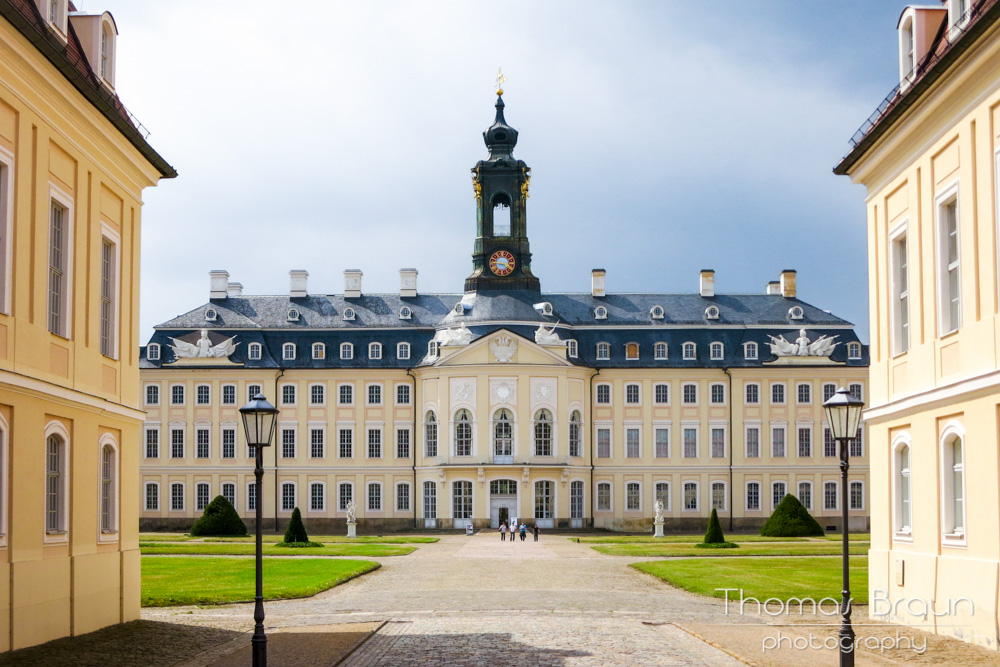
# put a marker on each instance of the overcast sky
(663, 138)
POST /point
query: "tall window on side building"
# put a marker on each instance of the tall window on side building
(430, 500)
(900, 296)
(949, 265)
(109, 291)
(904, 520)
(430, 435)
(108, 491)
(953, 471)
(462, 500)
(6, 227)
(575, 431)
(55, 485)
(576, 499)
(59, 268)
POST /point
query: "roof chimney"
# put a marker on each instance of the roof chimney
(706, 282)
(298, 281)
(773, 288)
(234, 289)
(597, 282)
(788, 283)
(407, 282)
(352, 283)
(218, 284)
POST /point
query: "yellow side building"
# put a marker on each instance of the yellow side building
(930, 159)
(73, 164)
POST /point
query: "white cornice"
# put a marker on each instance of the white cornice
(69, 397)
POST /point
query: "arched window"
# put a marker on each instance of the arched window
(319, 351)
(795, 313)
(109, 468)
(690, 351)
(778, 491)
(55, 484)
(575, 429)
(953, 469)
(712, 313)
(317, 496)
(632, 351)
(349, 314)
(346, 351)
(402, 351)
(750, 350)
(543, 433)
(904, 516)
(660, 351)
(432, 349)
(603, 351)
(153, 352)
(375, 350)
(374, 497)
(719, 496)
(405, 313)
(501, 214)
(202, 495)
(293, 315)
(576, 500)
(571, 349)
(601, 313)
(854, 350)
(211, 315)
(544, 499)
(463, 433)
(253, 351)
(656, 312)
(430, 434)
(152, 496)
(716, 351)
(907, 62)
(503, 434)
(288, 351)
(604, 497)
(661, 492)
(753, 495)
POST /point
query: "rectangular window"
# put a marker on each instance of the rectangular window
(603, 497)
(778, 441)
(604, 443)
(229, 493)
(345, 441)
(402, 443)
(718, 443)
(317, 497)
(690, 443)
(690, 496)
(718, 496)
(229, 443)
(252, 390)
(753, 394)
(806, 495)
(604, 394)
(317, 394)
(855, 390)
(177, 497)
(403, 497)
(252, 496)
(805, 441)
(830, 495)
(202, 394)
(430, 436)
(461, 505)
(403, 394)
(430, 500)
(753, 442)
(176, 443)
(345, 495)
(201, 443)
(288, 443)
(632, 443)
(632, 498)
(252, 451)
(59, 255)
(229, 394)
(718, 394)
(374, 443)
(575, 446)
(777, 493)
(346, 394)
(375, 394)
(201, 493)
(632, 394)
(287, 496)
(949, 267)
(753, 496)
(152, 443)
(856, 446)
(777, 393)
(690, 394)
(109, 285)
(661, 394)
(152, 394)
(829, 444)
(661, 436)
(829, 389)
(804, 393)
(152, 497)
(576, 500)
(177, 394)
(901, 296)
(857, 496)
(317, 443)
(288, 394)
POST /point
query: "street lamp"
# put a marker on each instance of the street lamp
(843, 412)
(259, 418)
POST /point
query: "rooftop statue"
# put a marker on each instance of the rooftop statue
(548, 336)
(459, 336)
(203, 348)
(821, 347)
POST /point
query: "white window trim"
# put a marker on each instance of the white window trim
(381, 496)
(281, 393)
(255, 347)
(638, 386)
(667, 504)
(625, 483)
(696, 427)
(222, 392)
(697, 398)
(811, 392)
(777, 425)
(942, 199)
(369, 427)
(747, 425)
(611, 393)
(774, 483)
(284, 351)
(201, 425)
(724, 427)
(145, 496)
(309, 507)
(633, 426)
(572, 348)
(895, 326)
(381, 393)
(281, 495)
(952, 429)
(597, 495)
(152, 426)
(395, 393)
(395, 495)
(725, 495)
(901, 533)
(57, 428)
(7, 231)
(725, 398)
(236, 493)
(309, 388)
(666, 351)
(354, 497)
(196, 387)
(346, 351)
(746, 496)
(249, 486)
(170, 498)
(850, 483)
(321, 349)
(115, 239)
(812, 495)
(292, 426)
(637, 351)
(372, 347)
(784, 393)
(610, 428)
(697, 495)
(145, 393)
(713, 346)
(397, 427)
(669, 392)
(232, 426)
(747, 347)
(400, 347)
(319, 426)
(684, 351)
(808, 424)
(606, 348)
(199, 483)
(64, 200)
(171, 396)
(346, 384)
(150, 348)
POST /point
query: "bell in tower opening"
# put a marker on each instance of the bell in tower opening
(501, 259)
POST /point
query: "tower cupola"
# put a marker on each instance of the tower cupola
(500, 137)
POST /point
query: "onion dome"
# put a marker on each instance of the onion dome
(500, 138)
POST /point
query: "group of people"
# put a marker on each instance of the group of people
(512, 528)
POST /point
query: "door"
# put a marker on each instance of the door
(502, 514)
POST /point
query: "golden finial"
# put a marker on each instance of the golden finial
(500, 79)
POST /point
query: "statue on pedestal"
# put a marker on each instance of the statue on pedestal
(352, 522)
(658, 518)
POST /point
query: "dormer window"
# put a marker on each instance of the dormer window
(603, 351)
(750, 350)
(405, 313)
(375, 350)
(432, 349)
(854, 350)
(716, 351)
(402, 350)
(254, 351)
(795, 313)
(211, 315)
(690, 351)
(106, 55)
(319, 351)
(632, 351)
(56, 14)
(571, 349)
(656, 312)
(349, 314)
(660, 351)
(907, 48)
(346, 351)
(288, 351)
(293, 315)
(153, 352)
(601, 313)
(545, 308)
(958, 14)
(712, 313)
(459, 310)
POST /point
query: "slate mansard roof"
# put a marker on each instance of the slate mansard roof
(742, 318)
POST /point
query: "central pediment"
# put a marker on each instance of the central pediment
(503, 348)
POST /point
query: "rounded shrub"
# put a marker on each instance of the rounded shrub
(296, 532)
(791, 519)
(220, 519)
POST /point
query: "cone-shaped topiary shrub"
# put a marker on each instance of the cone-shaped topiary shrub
(220, 518)
(295, 532)
(714, 533)
(791, 519)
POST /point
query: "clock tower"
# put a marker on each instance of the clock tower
(501, 259)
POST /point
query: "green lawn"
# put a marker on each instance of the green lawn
(272, 538)
(748, 549)
(181, 581)
(643, 539)
(851, 537)
(816, 578)
(165, 537)
(240, 549)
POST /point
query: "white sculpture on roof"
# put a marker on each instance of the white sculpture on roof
(548, 336)
(203, 348)
(460, 336)
(821, 347)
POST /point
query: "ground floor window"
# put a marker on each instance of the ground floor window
(777, 494)
(753, 496)
(403, 496)
(317, 497)
(201, 496)
(718, 496)
(690, 496)
(287, 496)
(543, 499)
(662, 492)
(633, 502)
(229, 493)
(830, 495)
(576, 500)
(375, 497)
(462, 500)
(430, 500)
(345, 494)
(806, 495)
(604, 497)
(152, 497)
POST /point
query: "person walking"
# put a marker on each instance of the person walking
(503, 531)
(513, 530)
(524, 530)
(535, 531)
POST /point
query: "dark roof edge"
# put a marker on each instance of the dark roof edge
(918, 89)
(104, 101)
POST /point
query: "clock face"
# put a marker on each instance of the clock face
(502, 263)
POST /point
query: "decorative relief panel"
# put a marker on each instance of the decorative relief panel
(503, 348)
(543, 392)
(463, 391)
(503, 391)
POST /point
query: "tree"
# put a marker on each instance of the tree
(296, 532)
(220, 519)
(791, 519)
(714, 533)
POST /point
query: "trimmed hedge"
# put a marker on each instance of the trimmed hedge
(714, 533)
(296, 532)
(716, 545)
(791, 519)
(219, 519)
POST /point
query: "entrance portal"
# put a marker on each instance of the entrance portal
(503, 501)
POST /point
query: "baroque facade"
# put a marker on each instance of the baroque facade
(501, 401)
(930, 160)
(73, 165)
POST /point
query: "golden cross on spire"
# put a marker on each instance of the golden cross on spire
(500, 79)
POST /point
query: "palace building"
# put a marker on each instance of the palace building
(930, 160)
(569, 410)
(73, 166)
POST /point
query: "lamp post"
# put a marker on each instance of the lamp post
(843, 412)
(259, 418)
